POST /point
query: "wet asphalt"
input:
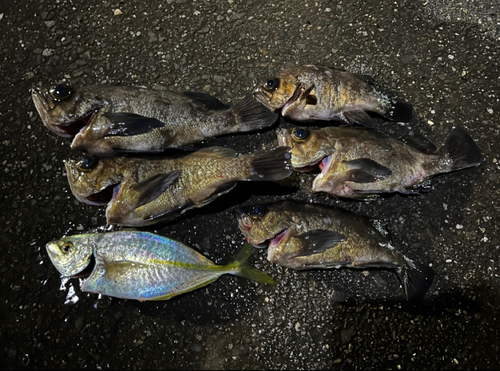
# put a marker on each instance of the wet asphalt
(442, 56)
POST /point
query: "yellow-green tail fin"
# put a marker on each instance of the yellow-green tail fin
(243, 269)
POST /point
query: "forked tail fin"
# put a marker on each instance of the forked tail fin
(241, 268)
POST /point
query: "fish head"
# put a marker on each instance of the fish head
(276, 92)
(65, 110)
(309, 147)
(70, 255)
(92, 180)
(265, 225)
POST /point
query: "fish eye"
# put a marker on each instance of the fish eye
(67, 247)
(272, 84)
(299, 135)
(257, 211)
(87, 163)
(60, 92)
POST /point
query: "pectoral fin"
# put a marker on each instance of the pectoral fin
(151, 188)
(365, 170)
(129, 124)
(318, 241)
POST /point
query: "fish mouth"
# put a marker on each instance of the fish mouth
(88, 270)
(264, 98)
(295, 96)
(323, 164)
(71, 129)
(104, 196)
(272, 242)
(45, 106)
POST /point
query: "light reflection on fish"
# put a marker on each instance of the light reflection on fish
(307, 236)
(142, 265)
(108, 120)
(307, 93)
(359, 162)
(142, 191)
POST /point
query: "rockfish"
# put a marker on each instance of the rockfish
(143, 191)
(308, 93)
(356, 162)
(142, 266)
(313, 236)
(106, 120)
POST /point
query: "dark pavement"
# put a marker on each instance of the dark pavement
(442, 56)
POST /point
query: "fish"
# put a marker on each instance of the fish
(142, 265)
(141, 191)
(107, 120)
(308, 93)
(308, 236)
(357, 162)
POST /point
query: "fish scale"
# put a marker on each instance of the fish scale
(149, 191)
(142, 265)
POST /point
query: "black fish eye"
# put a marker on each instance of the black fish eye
(60, 92)
(272, 84)
(257, 211)
(87, 163)
(300, 134)
(67, 247)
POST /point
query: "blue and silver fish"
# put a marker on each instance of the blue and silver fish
(142, 265)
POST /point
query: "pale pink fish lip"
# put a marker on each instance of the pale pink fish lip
(326, 163)
(270, 242)
(278, 238)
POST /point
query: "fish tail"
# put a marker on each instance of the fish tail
(400, 111)
(271, 165)
(416, 278)
(241, 268)
(461, 149)
(250, 114)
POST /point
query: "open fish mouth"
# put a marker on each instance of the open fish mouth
(279, 237)
(295, 96)
(45, 107)
(323, 165)
(104, 196)
(71, 129)
(87, 271)
(271, 242)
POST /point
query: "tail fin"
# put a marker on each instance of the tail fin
(243, 269)
(271, 165)
(462, 150)
(250, 114)
(401, 111)
(416, 279)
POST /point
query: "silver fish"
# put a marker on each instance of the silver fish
(141, 265)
